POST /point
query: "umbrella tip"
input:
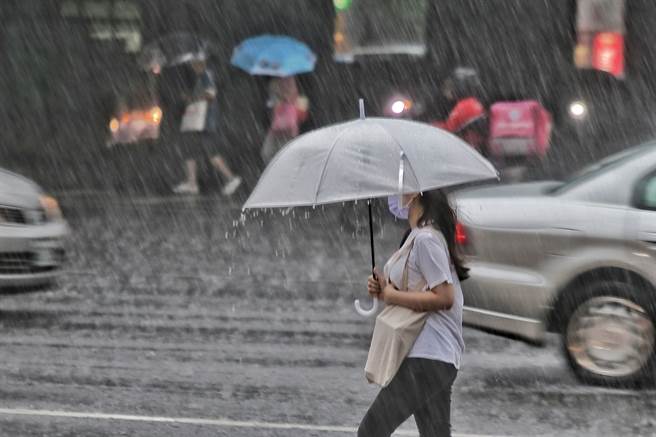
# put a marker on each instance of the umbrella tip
(362, 116)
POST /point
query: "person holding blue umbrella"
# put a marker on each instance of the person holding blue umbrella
(281, 58)
(287, 114)
(199, 130)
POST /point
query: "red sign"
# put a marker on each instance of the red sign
(608, 53)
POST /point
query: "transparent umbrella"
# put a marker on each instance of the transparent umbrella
(366, 159)
(173, 49)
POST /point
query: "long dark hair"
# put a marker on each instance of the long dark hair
(438, 211)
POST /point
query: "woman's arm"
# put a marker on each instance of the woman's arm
(440, 297)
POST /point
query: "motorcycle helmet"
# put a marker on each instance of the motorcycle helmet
(461, 83)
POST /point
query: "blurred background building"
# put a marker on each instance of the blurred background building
(68, 67)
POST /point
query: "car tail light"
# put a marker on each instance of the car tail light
(114, 125)
(461, 235)
(156, 114)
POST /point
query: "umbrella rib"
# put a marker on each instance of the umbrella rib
(325, 164)
(400, 147)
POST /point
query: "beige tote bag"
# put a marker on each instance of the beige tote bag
(194, 117)
(395, 332)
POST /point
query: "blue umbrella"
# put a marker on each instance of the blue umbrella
(273, 55)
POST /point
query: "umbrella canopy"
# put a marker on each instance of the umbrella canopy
(273, 55)
(365, 159)
(173, 49)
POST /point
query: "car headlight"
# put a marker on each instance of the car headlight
(398, 106)
(578, 110)
(51, 208)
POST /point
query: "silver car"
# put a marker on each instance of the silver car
(577, 258)
(32, 232)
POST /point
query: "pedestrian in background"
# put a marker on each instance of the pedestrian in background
(468, 117)
(424, 276)
(288, 111)
(199, 132)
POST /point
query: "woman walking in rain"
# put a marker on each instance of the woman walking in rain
(199, 131)
(288, 112)
(424, 276)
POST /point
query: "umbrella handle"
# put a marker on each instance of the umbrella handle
(363, 312)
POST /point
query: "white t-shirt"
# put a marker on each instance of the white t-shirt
(429, 262)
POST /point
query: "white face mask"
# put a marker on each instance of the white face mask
(396, 207)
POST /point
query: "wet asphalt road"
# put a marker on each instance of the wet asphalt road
(175, 308)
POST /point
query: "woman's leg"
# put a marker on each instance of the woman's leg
(433, 418)
(220, 164)
(272, 145)
(392, 406)
(211, 145)
(187, 146)
(268, 148)
(191, 172)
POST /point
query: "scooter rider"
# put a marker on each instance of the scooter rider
(468, 118)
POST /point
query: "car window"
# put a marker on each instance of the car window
(647, 194)
(603, 166)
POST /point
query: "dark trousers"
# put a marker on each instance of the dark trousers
(421, 388)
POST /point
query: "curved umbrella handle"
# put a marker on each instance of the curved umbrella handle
(369, 312)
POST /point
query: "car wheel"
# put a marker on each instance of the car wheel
(608, 335)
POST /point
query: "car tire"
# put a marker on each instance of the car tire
(608, 333)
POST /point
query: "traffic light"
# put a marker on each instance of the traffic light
(342, 5)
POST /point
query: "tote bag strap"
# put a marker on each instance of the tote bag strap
(431, 230)
(404, 280)
(405, 249)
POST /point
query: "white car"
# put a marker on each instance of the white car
(577, 258)
(32, 233)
